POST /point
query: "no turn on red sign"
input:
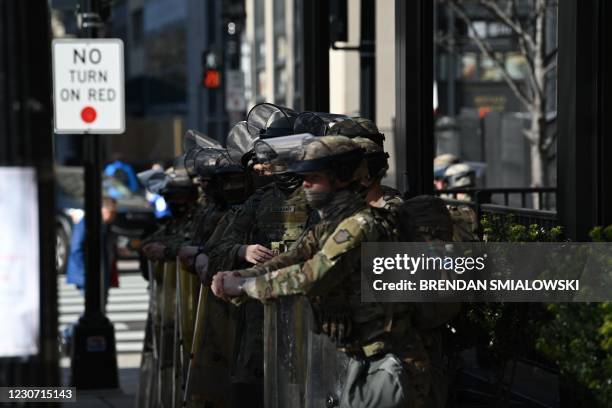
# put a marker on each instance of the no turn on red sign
(88, 86)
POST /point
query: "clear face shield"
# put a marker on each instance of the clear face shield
(205, 162)
(240, 141)
(275, 155)
(194, 139)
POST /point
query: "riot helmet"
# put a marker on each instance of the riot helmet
(240, 142)
(230, 183)
(193, 143)
(264, 121)
(154, 180)
(278, 153)
(205, 162)
(317, 123)
(337, 155)
(460, 175)
(271, 120)
(442, 162)
(358, 127)
(376, 157)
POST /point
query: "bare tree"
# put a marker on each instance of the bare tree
(528, 26)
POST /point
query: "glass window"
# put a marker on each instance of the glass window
(469, 65)
(489, 71)
(516, 65)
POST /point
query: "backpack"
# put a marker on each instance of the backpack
(465, 223)
(426, 218)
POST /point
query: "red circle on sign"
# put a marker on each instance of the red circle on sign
(88, 114)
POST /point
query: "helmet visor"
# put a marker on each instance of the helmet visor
(193, 139)
(278, 153)
(240, 141)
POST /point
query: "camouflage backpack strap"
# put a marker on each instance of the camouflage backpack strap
(386, 224)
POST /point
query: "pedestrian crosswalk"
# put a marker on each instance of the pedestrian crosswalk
(127, 310)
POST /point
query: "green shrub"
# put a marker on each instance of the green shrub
(576, 337)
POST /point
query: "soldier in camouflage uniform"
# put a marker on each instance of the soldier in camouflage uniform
(227, 185)
(325, 266)
(181, 195)
(378, 195)
(268, 223)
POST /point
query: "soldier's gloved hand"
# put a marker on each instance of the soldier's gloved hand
(218, 284)
(256, 254)
(232, 284)
(201, 268)
(154, 251)
(186, 254)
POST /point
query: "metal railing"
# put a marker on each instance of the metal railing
(546, 196)
(480, 201)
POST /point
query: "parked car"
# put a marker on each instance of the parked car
(135, 217)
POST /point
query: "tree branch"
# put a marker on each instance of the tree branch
(494, 8)
(533, 139)
(486, 49)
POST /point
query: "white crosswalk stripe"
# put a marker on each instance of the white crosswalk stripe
(127, 309)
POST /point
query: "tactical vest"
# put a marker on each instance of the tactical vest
(340, 312)
(280, 220)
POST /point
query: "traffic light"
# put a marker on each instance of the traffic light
(211, 74)
(212, 78)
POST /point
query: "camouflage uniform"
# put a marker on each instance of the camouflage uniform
(392, 198)
(173, 234)
(274, 219)
(208, 374)
(328, 273)
(325, 267)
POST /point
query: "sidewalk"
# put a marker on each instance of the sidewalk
(124, 397)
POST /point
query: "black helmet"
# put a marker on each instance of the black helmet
(271, 120)
(240, 141)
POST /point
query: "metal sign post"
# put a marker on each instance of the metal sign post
(91, 97)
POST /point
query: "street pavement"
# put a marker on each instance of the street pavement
(127, 310)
